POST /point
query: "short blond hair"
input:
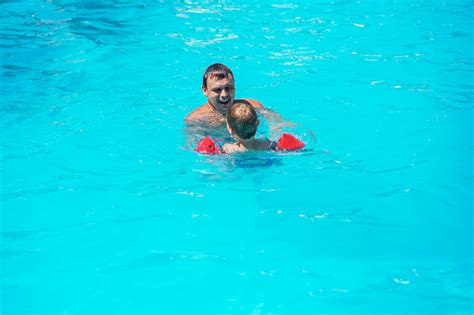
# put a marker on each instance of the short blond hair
(242, 119)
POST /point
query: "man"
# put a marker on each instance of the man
(219, 88)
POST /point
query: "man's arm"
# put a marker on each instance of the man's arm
(268, 114)
(231, 148)
(276, 123)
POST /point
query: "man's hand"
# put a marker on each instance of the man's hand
(276, 123)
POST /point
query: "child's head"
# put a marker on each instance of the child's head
(242, 120)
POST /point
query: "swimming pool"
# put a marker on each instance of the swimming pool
(105, 209)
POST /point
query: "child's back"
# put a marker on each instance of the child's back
(252, 145)
(242, 123)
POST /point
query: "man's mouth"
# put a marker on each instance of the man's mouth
(224, 103)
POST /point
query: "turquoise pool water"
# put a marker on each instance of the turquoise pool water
(105, 209)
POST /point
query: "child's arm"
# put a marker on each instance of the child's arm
(230, 148)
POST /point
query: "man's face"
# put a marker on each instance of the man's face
(220, 93)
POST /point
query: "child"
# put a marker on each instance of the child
(242, 123)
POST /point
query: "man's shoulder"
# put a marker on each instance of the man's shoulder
(204, 116)
(198, 114)
(253, 102)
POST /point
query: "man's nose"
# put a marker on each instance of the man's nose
(224, 93)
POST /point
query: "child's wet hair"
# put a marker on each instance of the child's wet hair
(242, 119)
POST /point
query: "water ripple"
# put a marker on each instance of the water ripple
(157, 258)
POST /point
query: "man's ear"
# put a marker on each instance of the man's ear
(204, 90)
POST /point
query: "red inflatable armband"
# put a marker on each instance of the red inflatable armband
(208, 146)
(288, 142)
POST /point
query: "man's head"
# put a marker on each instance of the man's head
(242, 120)
(218, 87)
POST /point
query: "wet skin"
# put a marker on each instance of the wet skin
(220, 95)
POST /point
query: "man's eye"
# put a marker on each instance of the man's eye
(217, 91)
